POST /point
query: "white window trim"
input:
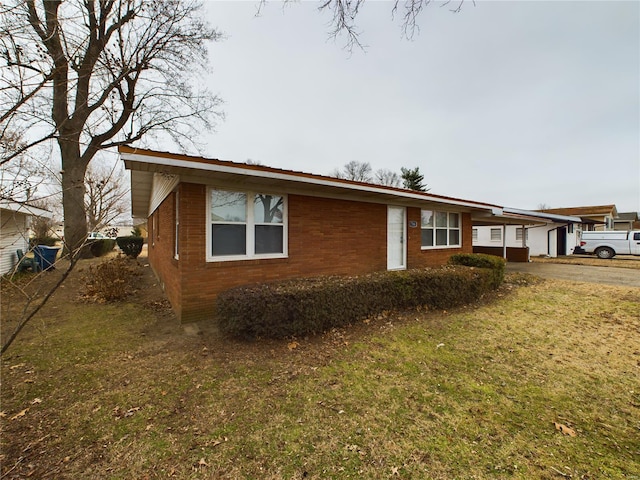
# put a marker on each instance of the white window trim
(250, 236)
(434, 228)
(499, 230)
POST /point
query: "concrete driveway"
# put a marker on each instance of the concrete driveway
(627, 277)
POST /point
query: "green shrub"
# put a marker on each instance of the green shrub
(300, 307)
(110, 280)
(131, 246)
(481, 260)
(102, 246)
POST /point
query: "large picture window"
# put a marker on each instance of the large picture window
(246, 225)
(440, 229)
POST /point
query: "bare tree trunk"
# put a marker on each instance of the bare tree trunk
(73, 190)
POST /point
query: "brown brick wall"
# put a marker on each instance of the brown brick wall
(514, 254)
(326, 237)
(161, 249)
(416, 257)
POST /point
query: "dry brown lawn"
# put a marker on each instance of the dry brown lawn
(542, 380)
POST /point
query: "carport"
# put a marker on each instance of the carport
(550, 230)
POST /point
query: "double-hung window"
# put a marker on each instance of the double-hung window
(440, 229)
(246, 225)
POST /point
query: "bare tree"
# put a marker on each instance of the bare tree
(387, 177)
(356, 171)
(94, 75)
(106, 199)
(21, 176)
(345, 12)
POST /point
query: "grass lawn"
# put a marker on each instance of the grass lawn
(119, 391)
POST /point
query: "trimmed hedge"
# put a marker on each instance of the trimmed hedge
(131, 246)
(313, 305)
(102, 246)
(481, 260)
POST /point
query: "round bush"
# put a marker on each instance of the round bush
(102, 246)
(131, 246)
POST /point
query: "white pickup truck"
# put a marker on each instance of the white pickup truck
(608, 244)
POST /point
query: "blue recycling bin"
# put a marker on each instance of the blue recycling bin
(45, 256)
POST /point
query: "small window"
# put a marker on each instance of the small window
(519, 234)
(440, 229)
(474, 234)
(496, 234)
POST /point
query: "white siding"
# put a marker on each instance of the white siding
(163, 185)
(542, 240)
(13, 235)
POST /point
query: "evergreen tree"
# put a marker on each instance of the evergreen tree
(412, 179)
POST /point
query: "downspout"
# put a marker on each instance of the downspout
(504, 241)
(524, 242)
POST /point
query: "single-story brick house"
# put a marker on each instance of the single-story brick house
(214, 225)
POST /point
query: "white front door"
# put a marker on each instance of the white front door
(396, 235)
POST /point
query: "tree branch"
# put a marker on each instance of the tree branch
(27, 318)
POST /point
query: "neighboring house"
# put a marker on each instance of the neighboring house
(626, 221)
(542, 233)
(598, 217)
(214, 225)
(15, 219)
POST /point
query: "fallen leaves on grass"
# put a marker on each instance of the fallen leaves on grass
(20, 414)
(118, 413)
(565, 430)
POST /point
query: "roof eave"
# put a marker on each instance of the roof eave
(183, 166)
(24, 208)
(545, 216)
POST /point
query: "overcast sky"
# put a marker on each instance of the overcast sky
(513, 103)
